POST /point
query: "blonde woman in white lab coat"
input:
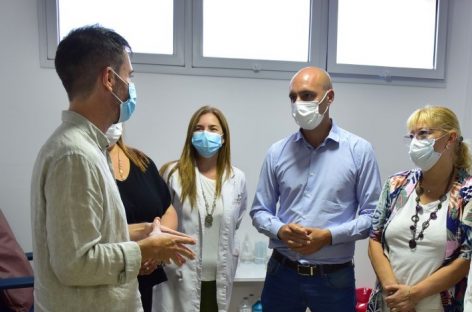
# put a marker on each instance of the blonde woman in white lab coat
(210, 196)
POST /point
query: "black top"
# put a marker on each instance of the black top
(145, 196)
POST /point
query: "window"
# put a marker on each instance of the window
(387, 38)
(262, 36)
(380, 40)
(149, 26)
(276, 38)
(282, 36)
(131, 21)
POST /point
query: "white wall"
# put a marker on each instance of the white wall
(257, 110)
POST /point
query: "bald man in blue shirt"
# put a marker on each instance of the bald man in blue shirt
(317, 190)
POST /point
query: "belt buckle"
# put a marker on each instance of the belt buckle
(306, 270)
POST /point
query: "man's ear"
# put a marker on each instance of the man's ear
(108, 78)
(330, 96)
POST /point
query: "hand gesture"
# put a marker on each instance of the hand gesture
(317, 239)
(167, 245)
(156, 226)
(139, 231)
(148, 266)
(294, 235)
(399, 299)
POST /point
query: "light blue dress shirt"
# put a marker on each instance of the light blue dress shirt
(324, 187)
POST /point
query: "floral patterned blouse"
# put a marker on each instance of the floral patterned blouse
(394, 195)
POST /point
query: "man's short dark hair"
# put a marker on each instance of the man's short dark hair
(84, 53)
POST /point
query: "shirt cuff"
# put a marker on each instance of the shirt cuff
(132, 256)
(275, 227)
(335, 235)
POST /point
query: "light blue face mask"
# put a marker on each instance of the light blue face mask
(127, 107)
(206, 143)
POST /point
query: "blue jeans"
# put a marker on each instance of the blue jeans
(287, 291)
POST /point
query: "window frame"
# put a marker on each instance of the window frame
(384, 72)
(315, 57)
(188, 56)
(50, 37)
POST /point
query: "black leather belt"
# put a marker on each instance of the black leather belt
(309, 269)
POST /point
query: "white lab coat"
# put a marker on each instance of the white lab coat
(181, 293)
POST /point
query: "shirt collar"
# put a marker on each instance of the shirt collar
(86, 126)
(333, 135)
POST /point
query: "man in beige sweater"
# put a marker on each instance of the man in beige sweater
(83, 256)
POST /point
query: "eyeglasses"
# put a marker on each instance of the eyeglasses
(422, 134)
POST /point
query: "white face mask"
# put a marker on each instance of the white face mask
(306, 113)
(422, 153)
(114, 133)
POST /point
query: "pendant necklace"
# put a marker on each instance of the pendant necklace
(120, 168)
(209, 213)
(432, 216)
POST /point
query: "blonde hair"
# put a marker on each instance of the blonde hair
(443, 118)
(187, 162)
(135, 156)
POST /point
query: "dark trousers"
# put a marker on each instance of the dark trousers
(208, 297)
(146, 296)
(285, 290)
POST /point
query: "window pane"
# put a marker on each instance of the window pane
(391, 33)
(146, 25)
(262, 29)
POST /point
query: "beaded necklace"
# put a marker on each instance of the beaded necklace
(209, 213)
(432, 216)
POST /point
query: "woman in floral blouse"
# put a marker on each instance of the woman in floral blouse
(418, 246)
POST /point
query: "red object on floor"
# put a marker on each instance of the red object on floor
(362, 298)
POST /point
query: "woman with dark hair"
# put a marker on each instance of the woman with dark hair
(209, 195)
(145, 197)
